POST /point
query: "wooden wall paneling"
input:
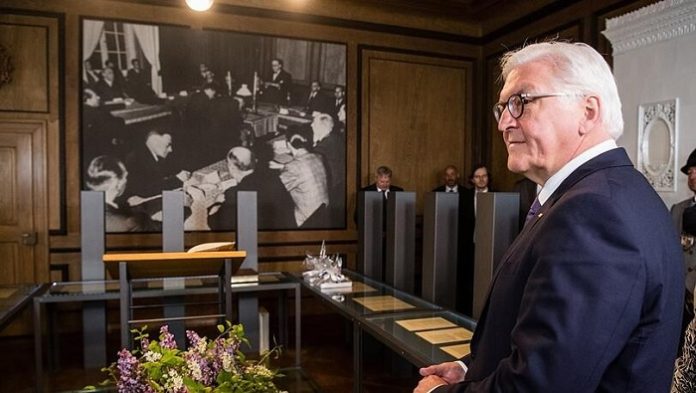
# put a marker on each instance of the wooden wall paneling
(28, 89)
(34, 92)
(416, 117)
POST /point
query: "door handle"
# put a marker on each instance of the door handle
(29, 238)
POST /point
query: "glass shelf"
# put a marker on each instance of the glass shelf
(13, 298)
(431, 337)
(368, 297)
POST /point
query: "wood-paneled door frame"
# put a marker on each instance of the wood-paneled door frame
(24, 201)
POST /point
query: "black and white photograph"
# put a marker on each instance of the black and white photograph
(211, 113)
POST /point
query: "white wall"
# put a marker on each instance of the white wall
(657, 62)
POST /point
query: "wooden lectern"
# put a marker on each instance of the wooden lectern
(169, 264)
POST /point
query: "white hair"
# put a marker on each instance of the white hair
(578, 68)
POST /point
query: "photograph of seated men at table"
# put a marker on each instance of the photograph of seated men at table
(211, 113)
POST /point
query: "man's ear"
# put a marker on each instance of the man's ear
(591, 114)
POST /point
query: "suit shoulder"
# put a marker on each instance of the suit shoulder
(681, 205)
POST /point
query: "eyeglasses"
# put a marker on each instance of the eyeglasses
(515, 104)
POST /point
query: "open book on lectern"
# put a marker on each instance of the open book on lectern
(213, 246)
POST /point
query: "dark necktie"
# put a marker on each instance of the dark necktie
(533, 210)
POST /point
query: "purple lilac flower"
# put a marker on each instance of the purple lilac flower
(167, 339)
(130, 376)
(199, 368)
(144, 343)
(216, 364)
(193, 338)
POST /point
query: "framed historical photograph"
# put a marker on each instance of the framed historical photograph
(212, 113)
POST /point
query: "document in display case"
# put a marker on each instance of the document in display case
(417, 324)
(458, 350)
(383, 303)
(442, 336)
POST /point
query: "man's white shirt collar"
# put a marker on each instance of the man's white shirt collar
(554, 181)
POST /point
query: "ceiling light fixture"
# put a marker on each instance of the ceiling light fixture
(199, 5)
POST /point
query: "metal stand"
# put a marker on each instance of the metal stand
(370, 234)
(173, 241)
(247, 239)
(496, 228)
(440, 234)
(401, 240)
(92, 244)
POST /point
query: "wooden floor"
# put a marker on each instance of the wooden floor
(327, 360)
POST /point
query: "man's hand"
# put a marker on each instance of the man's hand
(183, 175)
(429, 383)
(450, 372)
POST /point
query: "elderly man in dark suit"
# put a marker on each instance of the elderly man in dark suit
(588, 297)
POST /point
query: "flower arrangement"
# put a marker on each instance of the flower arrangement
(210, 366)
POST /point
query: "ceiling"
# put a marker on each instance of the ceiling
(469, 18)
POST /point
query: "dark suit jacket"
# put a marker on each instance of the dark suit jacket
(108, 93)
(147, 177)
(336, 107)
(278, 95)
(677, 211)
(588, 297)
(275, 206)
(101, 132)
(318, 103)
(373, 187)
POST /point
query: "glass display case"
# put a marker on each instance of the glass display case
(430, 337)
(156, 288)
(368, 297)
(13, 298)
(422, 332)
